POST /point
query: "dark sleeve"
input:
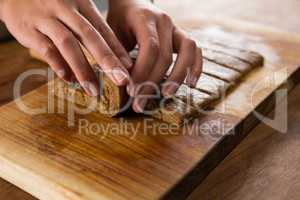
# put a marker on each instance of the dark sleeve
(3, 31)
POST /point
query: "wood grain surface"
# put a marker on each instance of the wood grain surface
(236, 190)
(264, 162)
(14, 61)
(42, 150)
(11, 192)
(267, 12)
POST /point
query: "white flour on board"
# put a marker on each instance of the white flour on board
(238, 40)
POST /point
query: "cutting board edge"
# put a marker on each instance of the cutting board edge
(226, 144)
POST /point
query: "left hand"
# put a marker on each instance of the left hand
(139, 22)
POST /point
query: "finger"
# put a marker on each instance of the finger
(186, 49)
(50, 53)
(148, 42)
(165, 30)
(90, 11)
(70, 49)
(33, 39)
(95, 44)
(145, 91)
(196, 70)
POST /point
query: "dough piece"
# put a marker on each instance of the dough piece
(111, 99)
(194, 97)
(221, 72)
(185, 105)
(109, 103)
(173, 111)
(226, 60)
(211, 85)
(253, 58)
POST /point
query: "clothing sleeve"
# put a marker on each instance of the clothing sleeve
(3, 31)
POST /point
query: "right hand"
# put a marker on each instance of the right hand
(55, 30)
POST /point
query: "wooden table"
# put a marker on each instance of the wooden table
(245, 174)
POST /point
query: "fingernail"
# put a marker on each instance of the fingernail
(61, 73)
(94, 90)
(130, 90)
(141, 103)
(120, 76)
(169, 90)
(91, 89)
(128, 63)
(192, 80)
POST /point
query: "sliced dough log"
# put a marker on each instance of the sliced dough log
(253, 58)
(194, 97)
(223, 44)
(226, 60)
(220, 72)
(213, 86)
(186, 104)
(173, 111)
(210, 83)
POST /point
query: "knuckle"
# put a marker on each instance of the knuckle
(146, 12)
(66, 39)
(107, 57)
(102, 28)
(25, 24)
(87, 31)
(153, 45)
(166, 18)
(49, 51)
(191, 44)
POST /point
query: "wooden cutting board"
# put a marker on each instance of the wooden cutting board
(42, 155)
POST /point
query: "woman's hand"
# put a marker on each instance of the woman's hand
(139, 22)
(55, 29)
